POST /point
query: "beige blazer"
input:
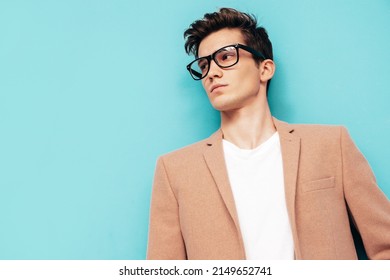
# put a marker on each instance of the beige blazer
(327, 179)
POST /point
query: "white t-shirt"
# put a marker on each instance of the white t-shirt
(257, 181)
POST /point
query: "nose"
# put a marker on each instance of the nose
(214, 71)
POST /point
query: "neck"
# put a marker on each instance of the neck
(246, 127)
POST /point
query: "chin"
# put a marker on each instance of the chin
(224, 102)
(223, 107)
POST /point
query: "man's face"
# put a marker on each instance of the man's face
(234, 87)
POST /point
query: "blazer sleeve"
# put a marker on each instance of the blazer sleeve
(368, 205)
(165, 238)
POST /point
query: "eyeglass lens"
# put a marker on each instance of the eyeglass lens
(224, 57)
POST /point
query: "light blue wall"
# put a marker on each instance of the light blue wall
(91, 92)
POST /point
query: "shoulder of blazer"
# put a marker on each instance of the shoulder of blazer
(197, 148)
(309, 131)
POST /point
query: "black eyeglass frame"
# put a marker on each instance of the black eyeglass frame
(198, 76)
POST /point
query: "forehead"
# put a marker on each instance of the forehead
(219, 39)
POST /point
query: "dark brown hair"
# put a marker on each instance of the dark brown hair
(254, 36)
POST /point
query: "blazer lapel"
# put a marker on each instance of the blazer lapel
(290, 146)
(215, 160)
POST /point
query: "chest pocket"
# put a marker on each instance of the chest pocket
(321, 184)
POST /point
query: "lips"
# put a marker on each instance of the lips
(216, 86)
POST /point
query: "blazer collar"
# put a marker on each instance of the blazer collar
(290, 147)
(284, 129)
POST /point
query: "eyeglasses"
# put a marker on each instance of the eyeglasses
(224, 57)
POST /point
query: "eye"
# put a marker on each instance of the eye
(226, 55)
(203, 65)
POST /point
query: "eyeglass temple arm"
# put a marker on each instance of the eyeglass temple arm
(252, 51)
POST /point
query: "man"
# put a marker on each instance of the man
(260, 188)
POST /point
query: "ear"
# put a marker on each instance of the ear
(267, 70)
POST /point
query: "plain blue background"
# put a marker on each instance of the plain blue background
(92, 92)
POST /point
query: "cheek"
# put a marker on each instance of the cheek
(252, 77)
(248, 84)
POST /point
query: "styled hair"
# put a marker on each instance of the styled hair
(254, 36)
